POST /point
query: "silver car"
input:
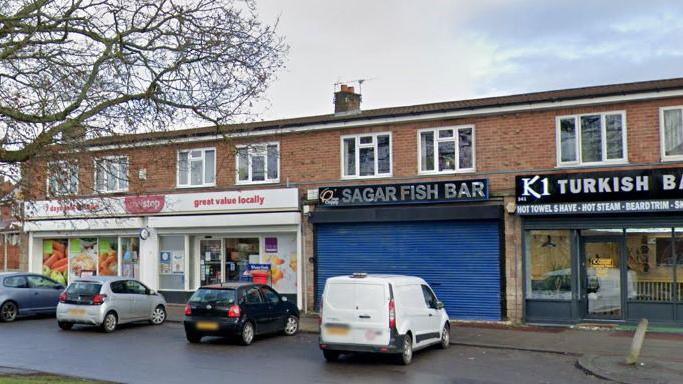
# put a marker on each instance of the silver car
(107, 302)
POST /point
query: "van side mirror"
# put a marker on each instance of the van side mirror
(439, 305)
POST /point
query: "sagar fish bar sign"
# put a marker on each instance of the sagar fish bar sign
(635, 191)
(413, 193)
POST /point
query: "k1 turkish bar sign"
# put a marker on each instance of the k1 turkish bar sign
(385, 194)
(648, 190)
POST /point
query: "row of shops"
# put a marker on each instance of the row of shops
(601, 246)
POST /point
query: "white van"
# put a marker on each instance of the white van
(380, 313)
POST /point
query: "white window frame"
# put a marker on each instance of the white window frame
(106, 175)
(252, 149)
(357, 155)
(662, 137)
(71, 166)
(189, 168)
(603, 133)
(456, 138)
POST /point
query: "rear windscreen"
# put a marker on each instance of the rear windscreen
(222, 297)
(84, 288)
(340, 296)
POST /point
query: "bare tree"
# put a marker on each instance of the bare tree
(76, 70)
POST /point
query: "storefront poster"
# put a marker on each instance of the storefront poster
(283, 265)
(55, 260)
(82, 256)
(177, 262)
(165, 262)
(634, 191)
(108, 257)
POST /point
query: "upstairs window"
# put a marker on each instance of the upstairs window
(591, 139)
(197, 167)
(671, 122)
(446, 150)
(111, 174)
(366, 155)
(62, 178)
(258, 163)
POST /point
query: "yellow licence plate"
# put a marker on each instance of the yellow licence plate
(337, 330)
(207, 326)
(76, 312)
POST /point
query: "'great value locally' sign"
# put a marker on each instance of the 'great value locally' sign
(412, 193)
(647, 190)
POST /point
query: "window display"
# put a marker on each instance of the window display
(650, 264)
(239, 253)
(210, 261)
(171, 249)
(549, 274)
(82, 257)
(108, 262)
(130, 265)
(55, 261)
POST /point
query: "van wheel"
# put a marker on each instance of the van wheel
(330, 356)
(406, 357)
(445, 337)
(65, 326)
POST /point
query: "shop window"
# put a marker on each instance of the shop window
(62, 178)
(111, 174)
(366, 155)
(130, 262)
(671, 121)
(650, 265)
(239, 253)
(197, 167)
(55, 259)
(172, 263)
(210, 262)
(108, 256)
(678, 263)
(258, 163)
(591, 139)
(549, 274)
(446, 150)
(10, 251)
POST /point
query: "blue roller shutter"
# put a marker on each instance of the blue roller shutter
(459, 259)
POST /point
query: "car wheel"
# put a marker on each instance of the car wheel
(193, 338)
(330, 356)
(65, 326)
(247, 334)
(109, 323)
(8, 312)
(159, 315)
(406, 357)
(291, 326)
(445, 337)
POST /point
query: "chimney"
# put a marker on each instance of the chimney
(346, 100)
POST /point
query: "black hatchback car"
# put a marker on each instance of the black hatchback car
(239, 309)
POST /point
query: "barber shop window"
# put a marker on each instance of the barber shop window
(549, 273)
(591, 139)
(651, 260)
(366, 156)
(446, 150)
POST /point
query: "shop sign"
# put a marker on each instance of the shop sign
(180, 203)
(412, 193)
(634, 191)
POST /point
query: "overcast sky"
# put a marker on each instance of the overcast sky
(415, 52)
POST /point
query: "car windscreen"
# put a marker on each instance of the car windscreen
(217, 297)
(83, 288)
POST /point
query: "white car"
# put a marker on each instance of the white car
(381, 313)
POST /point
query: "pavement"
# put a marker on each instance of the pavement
(598, 349)
(160, 354)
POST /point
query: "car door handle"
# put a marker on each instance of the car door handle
(430, 315)
(364, 316)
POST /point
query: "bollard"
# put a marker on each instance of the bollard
(637, 343)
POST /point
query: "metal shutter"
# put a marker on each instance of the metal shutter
(459, 259)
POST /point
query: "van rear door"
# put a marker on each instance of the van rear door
(371, 326)
(339, 312)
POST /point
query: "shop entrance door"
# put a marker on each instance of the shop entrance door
(601, 286)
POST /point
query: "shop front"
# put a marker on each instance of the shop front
(173, 243)
(603, 246)
(447, 233)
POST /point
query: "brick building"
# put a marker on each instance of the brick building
(554, 206)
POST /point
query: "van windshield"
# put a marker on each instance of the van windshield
(218, 297)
